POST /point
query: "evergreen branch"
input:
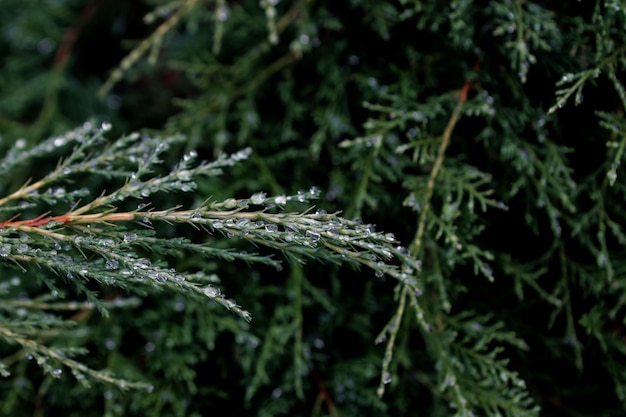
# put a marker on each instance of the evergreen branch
(153, 41)
(394, 324)
(10, 304)
(415, 246)
(528, 274)
(124, 224)
(392, 328)
(615, 124)
(273, 68)
(357, 206)
(59, 64)
(95, 241)
(50, 359)
(298, 349)
(572, 338)
(220, 15)
(578, 80)
(277, 335)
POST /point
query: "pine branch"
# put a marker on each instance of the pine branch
(96, 239)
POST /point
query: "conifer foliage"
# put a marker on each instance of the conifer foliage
(312, 208)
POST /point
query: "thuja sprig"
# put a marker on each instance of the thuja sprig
(99, 239)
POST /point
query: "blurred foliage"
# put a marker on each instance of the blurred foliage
(487, 137)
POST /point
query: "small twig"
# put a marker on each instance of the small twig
(430, 186)
(143, 47)
(69, 39)
(325, 395)
(61, 58)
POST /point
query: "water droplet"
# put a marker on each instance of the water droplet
(211, 291)
(114, 101)
(291, 228)
(45, 46)
(184, 175)
(223, 13)
(386, 378)
(57, 372)
(313, 236)
(130, 237)
(318, 343)
(106, 126)
(277, 393)
(5, 251)
(218, 224)
(257, 198)
(108, 395)
(112, 264)
(242, 154)
(58, 192)
(280, 200)
(301, 196)
(58, 142)
(354, 60)
(379, 273)
(321, 212)
(110, 344)
(142, 264)
(230, 203)
(271, 228)
(579, 98)
(402, 249)
(149, 347)
(488, 271)
(191, 155)
(196, 216)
